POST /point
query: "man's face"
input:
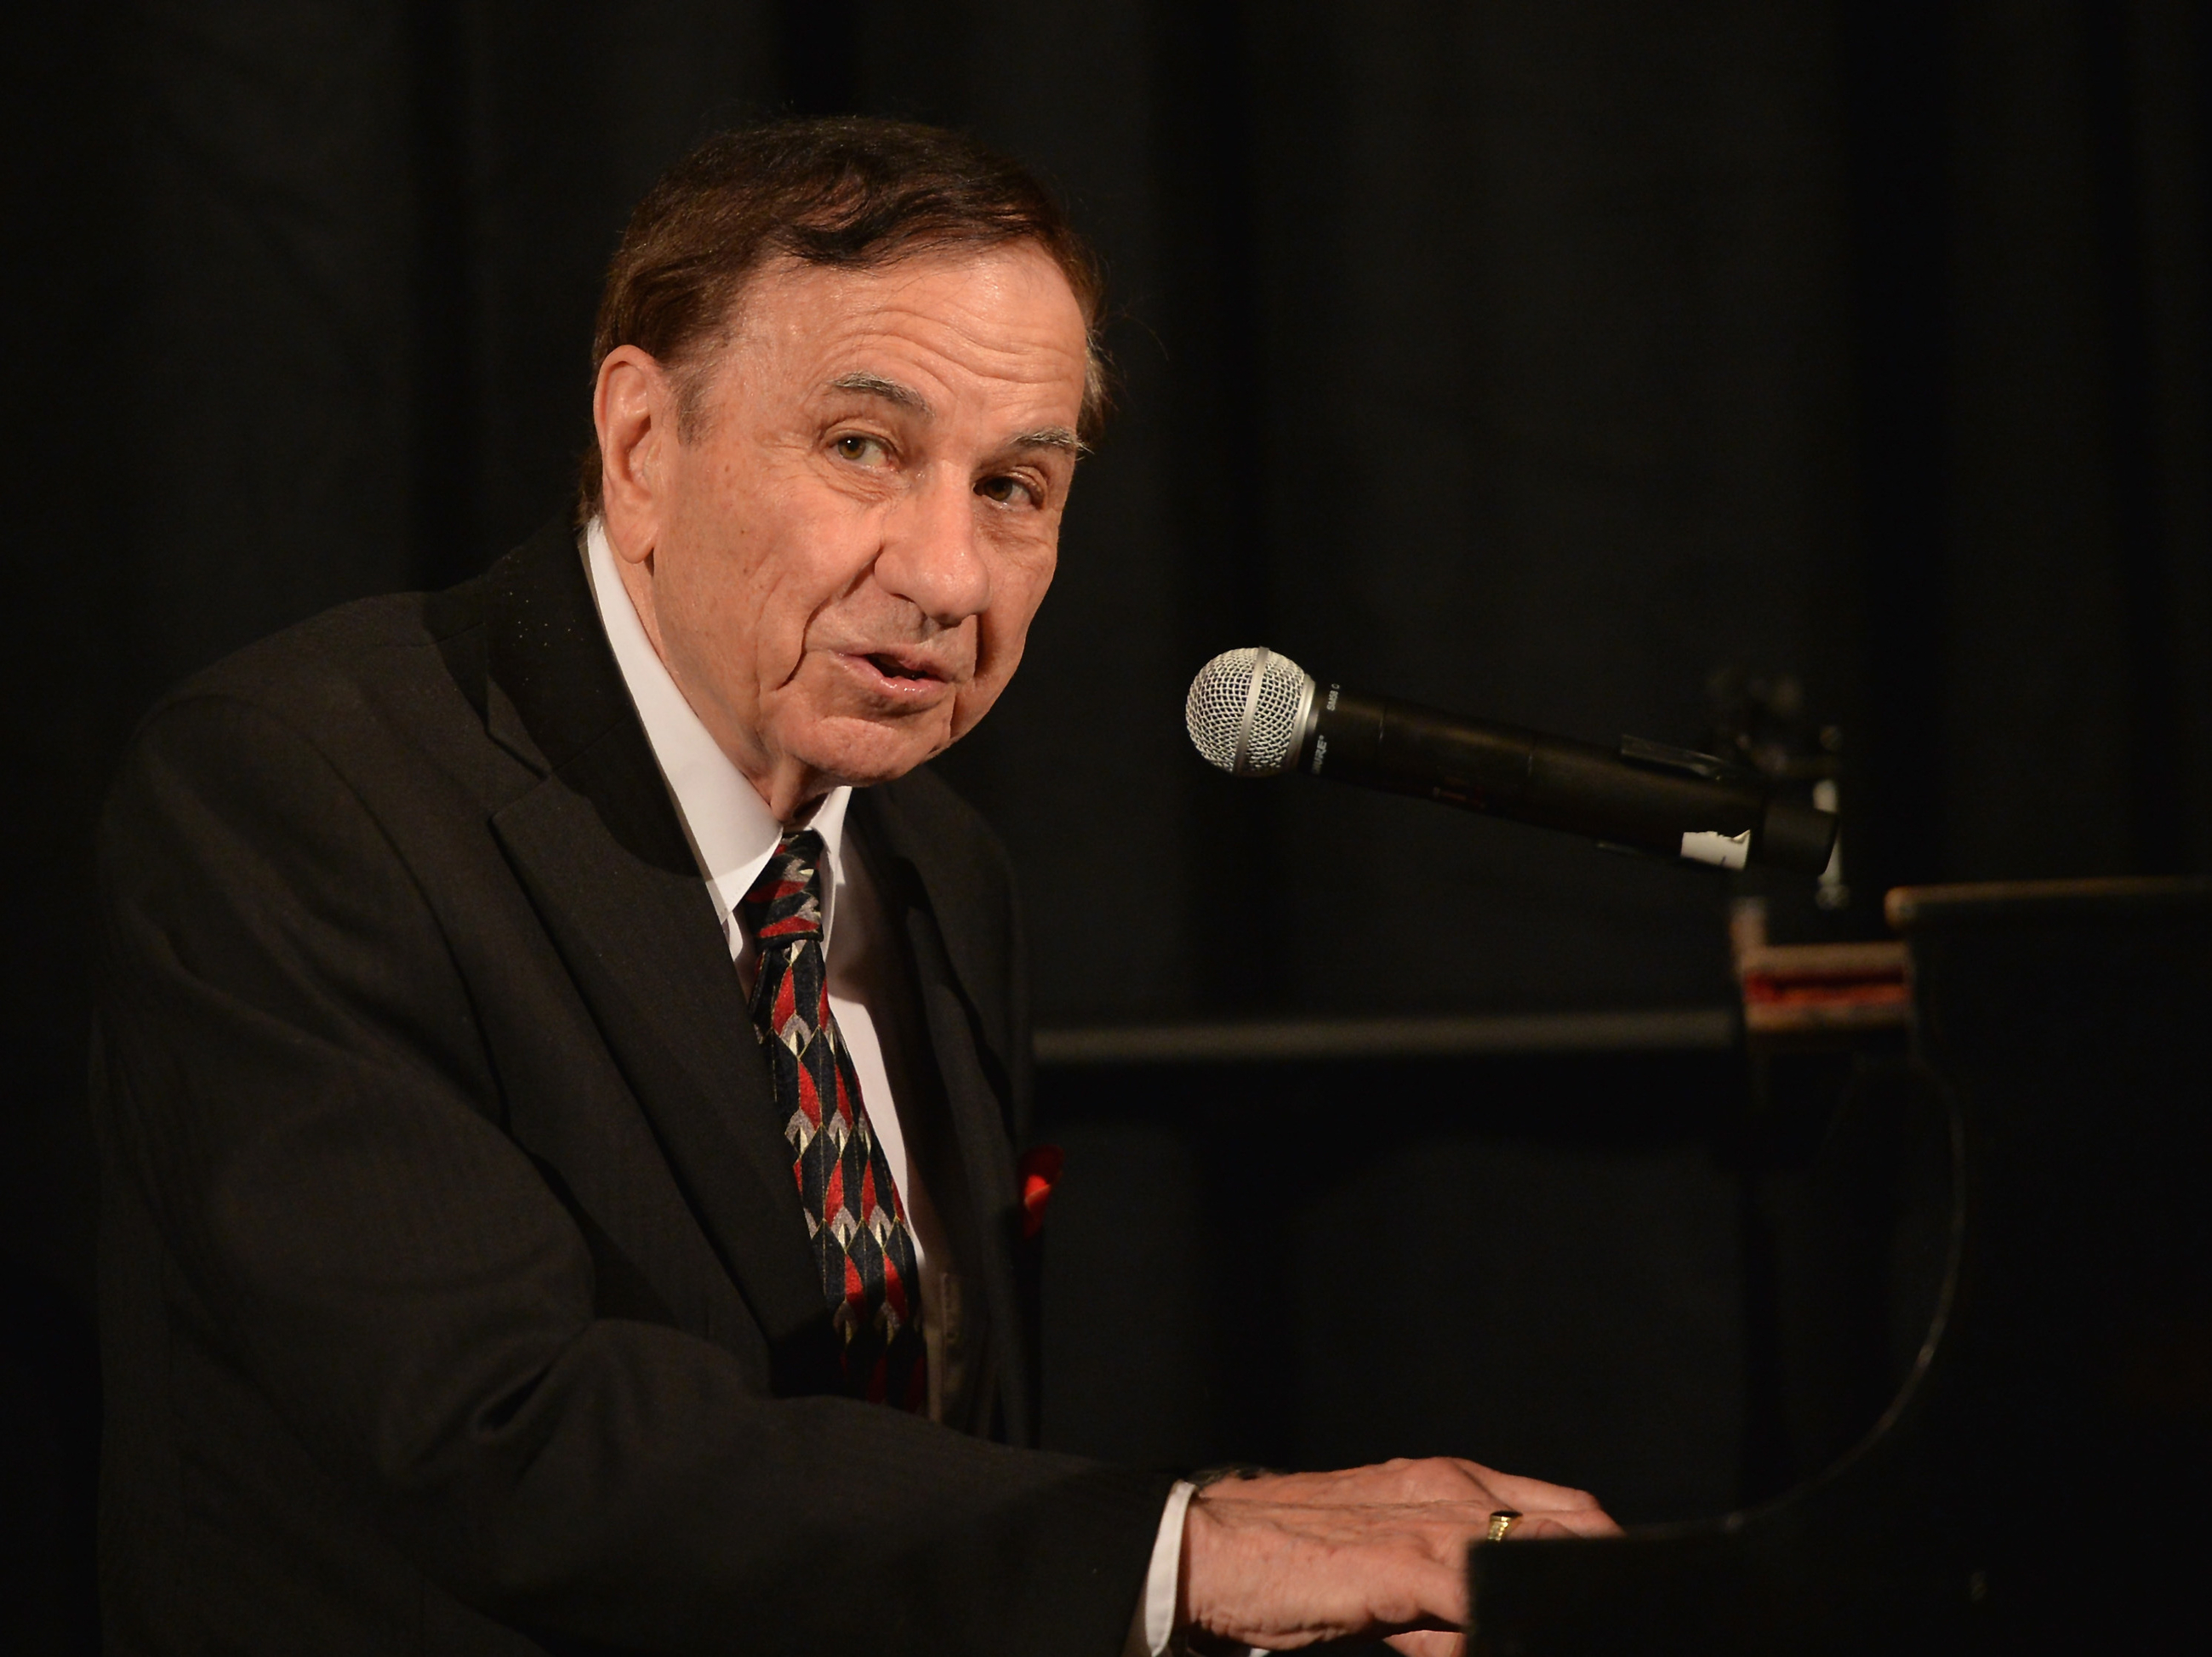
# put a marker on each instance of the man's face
(840, 563)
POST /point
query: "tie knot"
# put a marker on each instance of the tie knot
(785, 902)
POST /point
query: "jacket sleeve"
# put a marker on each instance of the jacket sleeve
(300, 1101)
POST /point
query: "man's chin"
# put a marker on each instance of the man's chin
(861, 751)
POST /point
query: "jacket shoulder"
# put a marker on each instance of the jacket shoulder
(333, 658)
(400, 673)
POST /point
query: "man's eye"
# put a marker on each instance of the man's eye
(854, 445)
(1005, 491)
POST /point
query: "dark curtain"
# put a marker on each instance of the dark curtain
(1529, 358)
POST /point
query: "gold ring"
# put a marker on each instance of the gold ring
(1501, 1525)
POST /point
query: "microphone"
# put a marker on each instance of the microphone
(1255, 714)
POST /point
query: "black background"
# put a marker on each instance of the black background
(1534, 359)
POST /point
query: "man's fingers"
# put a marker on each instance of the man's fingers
(1595, 1522)
(1460, 1514)
(1426, 1644)
(1438, 1480)
(1530, 1495)
(1292, 1570)
(1536, 1526)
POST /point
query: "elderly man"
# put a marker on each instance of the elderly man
(562, 1064)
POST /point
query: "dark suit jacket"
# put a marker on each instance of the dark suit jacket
(456, 1295)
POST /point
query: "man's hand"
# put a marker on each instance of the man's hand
(1289, 1560)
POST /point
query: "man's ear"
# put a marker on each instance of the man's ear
(634, 407)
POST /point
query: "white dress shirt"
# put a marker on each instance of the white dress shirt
(732, 834)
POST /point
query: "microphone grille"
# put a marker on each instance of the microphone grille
(1244, 711)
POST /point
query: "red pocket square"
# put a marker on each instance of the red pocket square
(1040, 1172)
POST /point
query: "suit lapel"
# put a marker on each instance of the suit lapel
(970, 1061)
(599, 849)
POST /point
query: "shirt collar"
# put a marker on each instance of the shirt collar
(731, 831)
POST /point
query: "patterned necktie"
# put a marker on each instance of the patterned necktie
(862, 1243)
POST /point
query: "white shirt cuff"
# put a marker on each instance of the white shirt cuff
(1151, 1631)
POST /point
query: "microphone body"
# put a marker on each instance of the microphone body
(1643, 795)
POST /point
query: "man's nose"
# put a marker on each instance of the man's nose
(933, 556)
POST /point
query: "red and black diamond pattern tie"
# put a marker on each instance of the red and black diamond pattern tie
(862, 1243)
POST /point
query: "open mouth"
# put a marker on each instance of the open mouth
(902, 672)
(897, 674)
(893, 669)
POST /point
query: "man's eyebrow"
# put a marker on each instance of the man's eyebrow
(1052, 437)
(890, 390)
(905, 397)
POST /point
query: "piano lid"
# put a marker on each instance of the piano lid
(2043, 1479)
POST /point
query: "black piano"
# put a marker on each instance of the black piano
(2042, 1478)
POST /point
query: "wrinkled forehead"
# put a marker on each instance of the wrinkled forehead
(1004, 317)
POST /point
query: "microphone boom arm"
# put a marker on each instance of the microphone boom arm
(1665, 801)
